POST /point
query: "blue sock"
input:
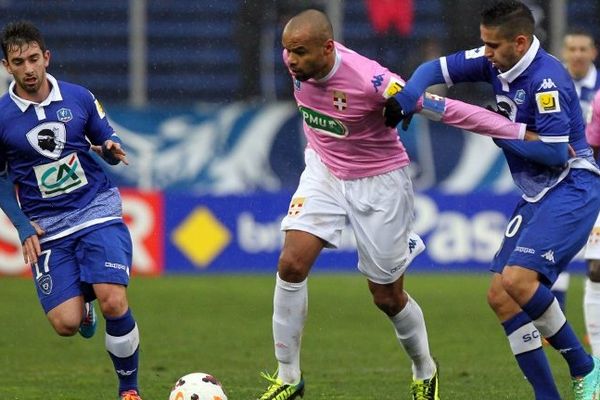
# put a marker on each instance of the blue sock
(526, 345)
(547, 316)
(561, 297)
(122, 344)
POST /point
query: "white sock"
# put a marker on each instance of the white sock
(290, 307)
(412, 335)
(591, 313)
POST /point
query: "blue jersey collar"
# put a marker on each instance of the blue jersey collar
(23, 104)
(520, 67)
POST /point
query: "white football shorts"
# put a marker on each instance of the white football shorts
(379, 209)
(592, 249)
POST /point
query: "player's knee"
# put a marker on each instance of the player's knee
(292, 268)
(594, 270)
(114, 304)
(388, 302)
(67, 326)
(495, 299)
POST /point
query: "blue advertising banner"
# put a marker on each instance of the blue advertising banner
(241, 233)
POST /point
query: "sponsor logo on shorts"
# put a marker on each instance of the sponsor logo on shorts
(45, 284)
(525, 250)
(115, 265)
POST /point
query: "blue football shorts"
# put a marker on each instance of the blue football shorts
(69, 266)
(545, 236)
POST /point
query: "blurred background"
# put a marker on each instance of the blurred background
(200, 96)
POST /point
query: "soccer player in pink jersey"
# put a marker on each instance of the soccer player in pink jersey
(591, 301)
(355, 173)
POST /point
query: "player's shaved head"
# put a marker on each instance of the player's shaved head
(312, 23)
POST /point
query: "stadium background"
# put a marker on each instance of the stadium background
(198, 92)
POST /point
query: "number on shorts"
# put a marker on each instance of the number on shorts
(46, 255)
(513, 226)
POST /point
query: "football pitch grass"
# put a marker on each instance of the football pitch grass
(222, 325)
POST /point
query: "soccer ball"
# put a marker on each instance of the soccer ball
(197, 386)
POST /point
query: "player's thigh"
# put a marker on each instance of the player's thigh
(105, 254)
(317, 207)
(381, 215)
(57, 274)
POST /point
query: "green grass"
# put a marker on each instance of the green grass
(222, 325)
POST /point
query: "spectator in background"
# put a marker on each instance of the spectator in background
(392, 22)
(578, 53)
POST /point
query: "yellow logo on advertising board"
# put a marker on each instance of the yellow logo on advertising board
(201, 237)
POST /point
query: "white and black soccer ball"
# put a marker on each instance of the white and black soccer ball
(197, 386)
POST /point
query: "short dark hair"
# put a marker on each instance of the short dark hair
(19, 33)
(579, 31)
(511, 16)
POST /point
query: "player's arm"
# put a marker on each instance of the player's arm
(464, 66)
(472, 118)
(28, 231)
(103, 138)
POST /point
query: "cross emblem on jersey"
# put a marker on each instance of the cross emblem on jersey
(339, 100)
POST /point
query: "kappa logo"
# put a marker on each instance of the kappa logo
(48, 139)
(549, 255)
(547, 84)
(377, 81)
(412, 243)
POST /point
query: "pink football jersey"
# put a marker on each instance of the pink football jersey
(344, 124)
(592, 129)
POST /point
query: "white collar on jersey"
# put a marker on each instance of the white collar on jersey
(520, 67)
(336, 66)
(23, 104)
(589, 80)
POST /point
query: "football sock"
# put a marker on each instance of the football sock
(591, 312)
(526, 345)
(549, 319)
(559, 289)
(122, 343)
(411, 332)
(290, 307)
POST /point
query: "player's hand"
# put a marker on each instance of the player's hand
(31, 246)
(113, 150)
(531, 136)
(497, 111)
(393, 113)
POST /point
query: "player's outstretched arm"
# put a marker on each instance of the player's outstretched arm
(28, 231)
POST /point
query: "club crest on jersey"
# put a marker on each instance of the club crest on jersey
(59, 177)
(48, 139)
(393, 87)
(64, 115)
(547, 102)
(520, 96)
(507, 106)
(340, 101)
(323, 123)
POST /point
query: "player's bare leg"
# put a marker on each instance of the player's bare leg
(67, 316)
(409, 325)
(122, 337)
(290, 307)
